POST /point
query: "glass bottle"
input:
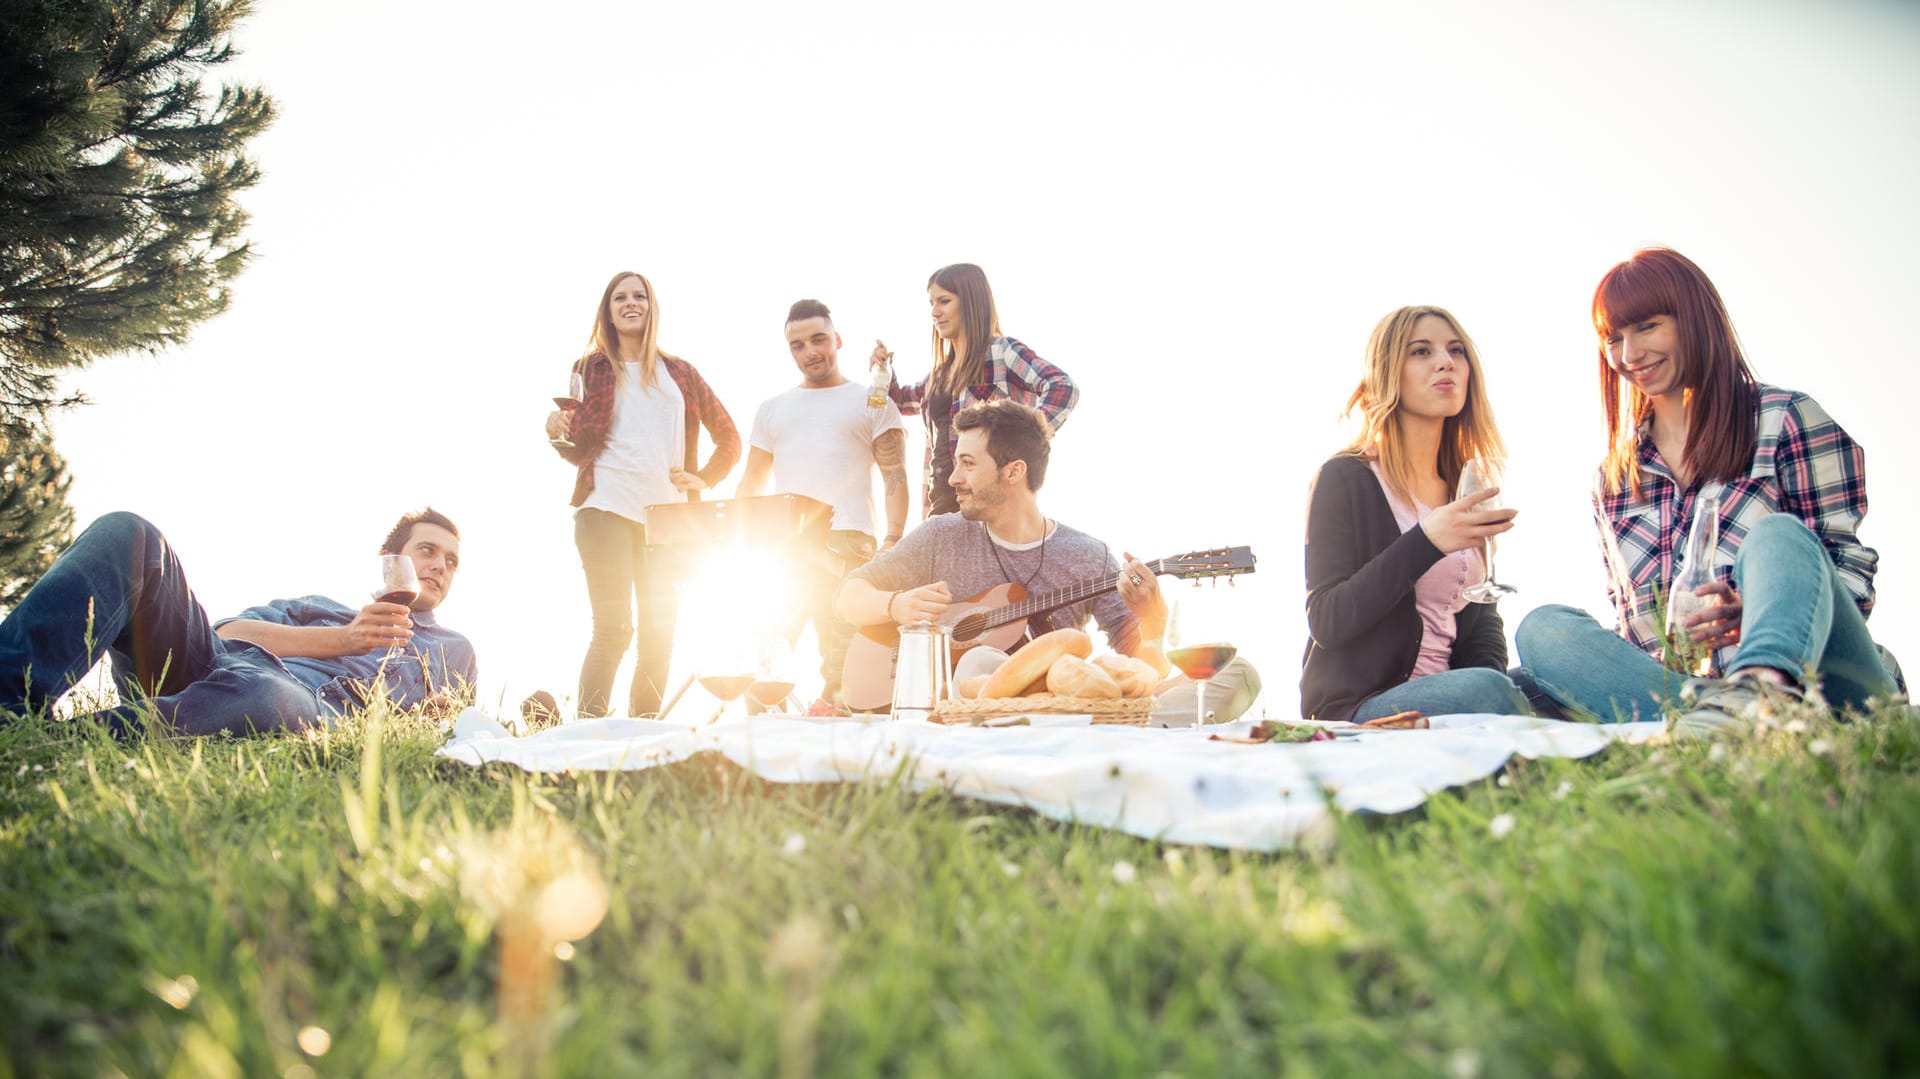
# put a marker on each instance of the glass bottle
(877, 388)
(1696, 571)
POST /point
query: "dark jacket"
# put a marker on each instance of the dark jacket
(1363, 631)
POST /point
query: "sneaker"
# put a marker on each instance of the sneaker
(1734, 706)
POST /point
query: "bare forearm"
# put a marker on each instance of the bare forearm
(862, 604)
(758, 471)
(312, 642)
(890, 453)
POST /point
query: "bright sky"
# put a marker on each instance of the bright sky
(1198, 211)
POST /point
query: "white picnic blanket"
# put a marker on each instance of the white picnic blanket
(1174, 785)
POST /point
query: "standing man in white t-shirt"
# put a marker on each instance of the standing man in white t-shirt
(820, 439)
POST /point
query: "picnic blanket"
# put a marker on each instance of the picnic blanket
(1175, 785)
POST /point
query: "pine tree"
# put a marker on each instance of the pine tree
(119, 169)
(36, 523)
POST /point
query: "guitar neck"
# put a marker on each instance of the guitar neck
(1078, 592)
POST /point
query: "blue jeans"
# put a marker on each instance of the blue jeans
(119, 591)
(1463, 690)
(623, 575)
(1797, 617)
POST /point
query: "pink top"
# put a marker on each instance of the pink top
(1437, 594)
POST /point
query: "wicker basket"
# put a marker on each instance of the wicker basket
(1125, 711)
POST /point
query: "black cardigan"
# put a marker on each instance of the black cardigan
(1363, 630)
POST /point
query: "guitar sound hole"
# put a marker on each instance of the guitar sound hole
(970, 627)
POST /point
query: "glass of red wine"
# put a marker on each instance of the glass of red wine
(1197, 658)
(398, 584)
(773, 681)
(567, 404)
(728, 688)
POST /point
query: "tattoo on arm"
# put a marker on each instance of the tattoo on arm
(890, 453)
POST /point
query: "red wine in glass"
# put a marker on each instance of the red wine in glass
(576, 385)
(1201, 662)
(398, 584)
(727, 687)
(770, 694)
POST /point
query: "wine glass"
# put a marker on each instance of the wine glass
(727, 687)
(1478, 475)
(773, 682)
(576, 385)
(1199, 659)
(398, 584)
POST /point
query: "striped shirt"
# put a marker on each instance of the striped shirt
(1803, 464)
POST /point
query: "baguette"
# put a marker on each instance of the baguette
(1031, 663)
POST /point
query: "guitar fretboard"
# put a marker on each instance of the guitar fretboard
(1059, 597)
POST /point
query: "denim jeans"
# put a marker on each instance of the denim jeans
(119, 591)
(1460, 691)
(624, 577)
(1797, 617)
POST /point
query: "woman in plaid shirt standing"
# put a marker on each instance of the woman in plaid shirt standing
(634, 439)
(972, 361)
(1792, 582)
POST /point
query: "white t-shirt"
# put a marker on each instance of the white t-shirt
(645, 441)
(822, 446)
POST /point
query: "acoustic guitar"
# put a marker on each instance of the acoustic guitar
(998, 617)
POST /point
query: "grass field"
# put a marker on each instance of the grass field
(344, 904)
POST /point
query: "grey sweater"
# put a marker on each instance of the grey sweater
(953, 549)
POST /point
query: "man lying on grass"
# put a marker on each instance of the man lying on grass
(286, 665)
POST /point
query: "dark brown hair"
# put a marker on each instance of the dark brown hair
(1015, 432)
(979, 325)
(396, 540)
(806, 309)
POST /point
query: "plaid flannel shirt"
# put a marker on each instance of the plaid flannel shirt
(1013, 371)
(1803, 464)
(594, 417)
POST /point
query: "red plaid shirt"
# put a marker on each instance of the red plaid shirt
(1803, 464)
(588, 431)
(1014, 372)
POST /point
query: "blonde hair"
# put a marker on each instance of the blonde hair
(1469, 434)
(606, 337)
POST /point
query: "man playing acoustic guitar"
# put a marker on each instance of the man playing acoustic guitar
(1001, 537)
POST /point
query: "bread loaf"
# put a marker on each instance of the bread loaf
(1136, 677)
(1071, 676)
(969, 688)
(1032, 662)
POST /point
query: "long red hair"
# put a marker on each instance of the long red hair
(1721, 393)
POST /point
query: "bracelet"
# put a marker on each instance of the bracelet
(890, 600)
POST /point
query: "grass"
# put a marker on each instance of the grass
(344, 904)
